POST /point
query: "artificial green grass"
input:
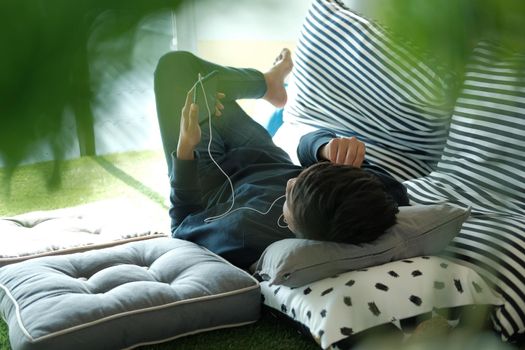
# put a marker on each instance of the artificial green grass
(84, 180)
(267, 333)
(141, 178)
(4, 338)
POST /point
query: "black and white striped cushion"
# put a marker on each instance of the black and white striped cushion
(483, 165)
(351, 77)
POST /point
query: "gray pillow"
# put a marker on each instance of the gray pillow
(420, 230)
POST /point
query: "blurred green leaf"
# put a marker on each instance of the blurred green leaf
(45, 70)
(446, 31)
(45, 67)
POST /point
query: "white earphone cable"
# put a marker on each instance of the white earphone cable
(230, 210)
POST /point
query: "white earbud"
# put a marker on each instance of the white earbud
(279, 221)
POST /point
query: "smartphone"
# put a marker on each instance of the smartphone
(209, 82)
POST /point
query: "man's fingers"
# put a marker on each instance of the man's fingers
(194, 114)
(332, 154)
(184, 120)
(331, 151)
(342, 151)
(347, 151)
(359, 152)
(355, 152)
(360, 155)
(187, 104)
(189, 98)
(190, 117)
(218, 106)
(351, 154)
(220, 95)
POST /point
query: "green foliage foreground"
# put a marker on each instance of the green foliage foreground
(45, 69)
(45, 65)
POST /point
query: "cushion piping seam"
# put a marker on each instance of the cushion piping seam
(230, 325)
(118, 315)
(450, 220)
(82, 248)
(17, 310)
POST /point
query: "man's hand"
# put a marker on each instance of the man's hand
(190, 131)
(218, 105)
(346, 151)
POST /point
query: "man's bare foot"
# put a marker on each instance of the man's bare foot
(275, 92)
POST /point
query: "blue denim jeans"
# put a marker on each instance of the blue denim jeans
(176, 73)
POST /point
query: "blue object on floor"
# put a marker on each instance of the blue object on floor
(275, 122)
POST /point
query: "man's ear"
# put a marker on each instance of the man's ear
(296, 232)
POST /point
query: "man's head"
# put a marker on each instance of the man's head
(338, 203)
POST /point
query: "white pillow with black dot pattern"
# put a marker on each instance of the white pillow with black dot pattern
(353, 77)
(336, 308)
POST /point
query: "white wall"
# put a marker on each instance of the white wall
(212, 20)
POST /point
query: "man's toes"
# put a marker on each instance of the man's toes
(282, 56)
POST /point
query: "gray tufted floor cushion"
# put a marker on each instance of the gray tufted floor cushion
(124, 296)
(70, 230)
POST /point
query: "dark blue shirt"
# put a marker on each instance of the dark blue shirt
(259, 177)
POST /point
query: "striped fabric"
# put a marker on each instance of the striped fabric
(483, 165)
(351, 77)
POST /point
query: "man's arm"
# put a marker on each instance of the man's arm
(185, 193)
(310, 144)
(323, 144)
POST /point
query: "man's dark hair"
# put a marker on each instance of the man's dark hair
(341, 203)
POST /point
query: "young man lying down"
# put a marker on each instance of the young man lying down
(234, 191)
